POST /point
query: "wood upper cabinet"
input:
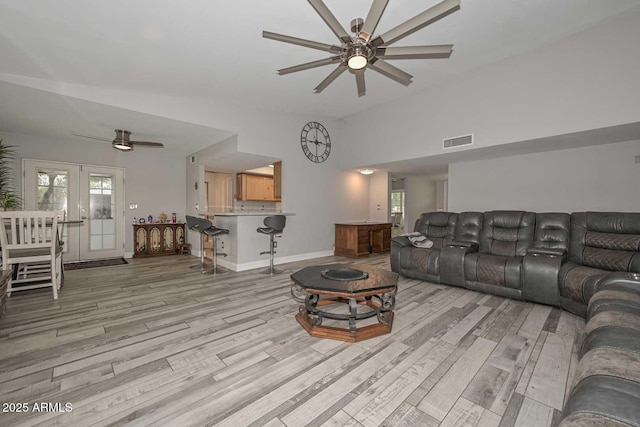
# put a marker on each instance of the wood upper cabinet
(255, 187)
(277, 180)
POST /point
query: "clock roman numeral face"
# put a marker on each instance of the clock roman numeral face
(315, 142)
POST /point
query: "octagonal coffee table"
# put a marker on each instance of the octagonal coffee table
(353, 285)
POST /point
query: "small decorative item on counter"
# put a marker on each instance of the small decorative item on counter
(162, 217)
(150, 219)
(141, 221)
(135, 220)
(174, 218)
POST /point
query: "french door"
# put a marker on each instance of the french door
(93, 195)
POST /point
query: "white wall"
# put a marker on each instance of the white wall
(586, 81)
(379, 198)
(153, 180)
(600, 178)
(442, 194)
(419, 197)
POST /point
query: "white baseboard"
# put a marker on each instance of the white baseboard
(278, 260)
(222, 262)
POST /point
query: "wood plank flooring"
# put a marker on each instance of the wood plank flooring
(157, 343)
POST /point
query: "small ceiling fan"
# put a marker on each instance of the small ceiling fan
(122, 140)
(362, 51)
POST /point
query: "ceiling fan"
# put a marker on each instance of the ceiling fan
(122, 140)
(362, 51)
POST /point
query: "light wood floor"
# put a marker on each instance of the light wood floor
(155, 342)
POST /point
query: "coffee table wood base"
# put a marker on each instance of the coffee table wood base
(344, 334)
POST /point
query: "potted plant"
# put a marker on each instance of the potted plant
(9, 200)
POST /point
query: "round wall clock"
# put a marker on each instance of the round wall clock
(315, 142)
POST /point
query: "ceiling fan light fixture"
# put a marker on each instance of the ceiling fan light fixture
(357, 61)
(122, 145)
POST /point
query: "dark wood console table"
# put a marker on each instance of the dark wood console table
(353, 239)
(157, 239)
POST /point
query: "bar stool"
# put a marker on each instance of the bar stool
(214, 231)
(204, 226)
(193, 224)
(273, 225)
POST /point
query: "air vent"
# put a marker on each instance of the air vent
(458, 141)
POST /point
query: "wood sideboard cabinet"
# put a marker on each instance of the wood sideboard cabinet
(157, 239)
(358, 239)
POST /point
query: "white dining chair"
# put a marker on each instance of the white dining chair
(30, 246)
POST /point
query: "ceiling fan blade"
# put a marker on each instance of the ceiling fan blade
(301, 42)
(309, 65)
(415, 52)
(362, 90)
(147, 143)
(330, 20)
(390, 71)
(416, 23)
(91, 136)
(373, 18)
(330, 78)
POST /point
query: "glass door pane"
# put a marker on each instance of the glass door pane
(54, 186)
(101, 205)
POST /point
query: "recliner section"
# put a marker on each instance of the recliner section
(549, 258)
(606, 389)
(424, 264)
(600, 242)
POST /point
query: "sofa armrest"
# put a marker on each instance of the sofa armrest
(401, 241)
(547, 251)
(452, 261)
(620, 281)
(541, 268)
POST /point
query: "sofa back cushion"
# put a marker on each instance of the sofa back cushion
(507, 233)
(552, 231)
(606, 240)
(468, 227)
(437, 226)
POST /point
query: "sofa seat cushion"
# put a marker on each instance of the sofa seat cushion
(495, 270)
(420, 259)
(614, 362)
(603, 400)
(614, 318)
(611, 337)
(589, 419)
(579, 283)
(611, 299)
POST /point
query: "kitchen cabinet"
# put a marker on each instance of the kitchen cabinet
(255, 187)
(277, 180)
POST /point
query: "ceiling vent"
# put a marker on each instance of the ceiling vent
(457, 141)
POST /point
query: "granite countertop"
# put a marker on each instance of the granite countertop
(247, 213)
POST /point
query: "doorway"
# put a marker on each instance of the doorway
(92, 194)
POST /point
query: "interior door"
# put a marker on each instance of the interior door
(93, 194)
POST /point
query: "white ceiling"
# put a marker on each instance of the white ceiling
(214, 49)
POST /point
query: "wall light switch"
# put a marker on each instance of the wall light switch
(378, 207)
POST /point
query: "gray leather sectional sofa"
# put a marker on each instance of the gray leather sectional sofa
(587, 263)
